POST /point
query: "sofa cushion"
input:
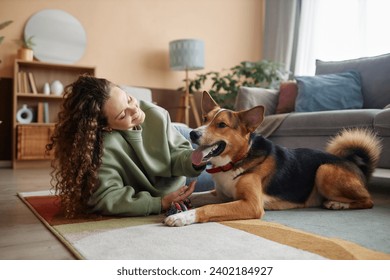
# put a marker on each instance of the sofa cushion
(329, 92)
(248, 97)
(325, 123)
(374, 73)
(288, 92)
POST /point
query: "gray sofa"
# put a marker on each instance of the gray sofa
(314, 129)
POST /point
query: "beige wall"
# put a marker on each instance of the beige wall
(127, 40)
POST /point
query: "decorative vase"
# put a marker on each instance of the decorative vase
(56, 88)
(46, 89)
(24, 115)
(25, 54)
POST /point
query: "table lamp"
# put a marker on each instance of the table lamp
(186, 54)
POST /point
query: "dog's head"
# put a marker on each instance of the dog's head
(224, 135)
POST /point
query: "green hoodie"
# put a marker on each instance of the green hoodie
(140, 166)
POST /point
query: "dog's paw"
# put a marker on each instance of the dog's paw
(181, 219)
(336, 205)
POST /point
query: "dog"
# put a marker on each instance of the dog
(251, 174)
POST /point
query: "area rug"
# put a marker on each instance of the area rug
(146, 238)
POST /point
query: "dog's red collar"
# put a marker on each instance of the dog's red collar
(223, 168)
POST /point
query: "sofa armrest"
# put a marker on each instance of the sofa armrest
(139, 93)
(382, 122)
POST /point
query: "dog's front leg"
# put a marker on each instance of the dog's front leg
(248, 206)
(235, 210)
(181, 219)
(197, 200)
(208, 197)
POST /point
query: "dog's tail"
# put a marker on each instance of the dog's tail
(360, 146)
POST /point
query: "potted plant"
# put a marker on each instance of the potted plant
(224, 86)
(25, 51)
(2, 26)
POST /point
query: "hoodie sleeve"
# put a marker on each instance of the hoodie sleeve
(115, 196)
(181, 151)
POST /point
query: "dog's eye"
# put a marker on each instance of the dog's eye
(221, 125)
(204, 119)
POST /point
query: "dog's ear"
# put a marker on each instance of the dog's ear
(208, 103)
(252, 117)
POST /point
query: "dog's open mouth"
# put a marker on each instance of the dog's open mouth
(204, 153)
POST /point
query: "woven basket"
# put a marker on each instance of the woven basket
(32, 140)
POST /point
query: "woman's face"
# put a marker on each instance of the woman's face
(122, 111)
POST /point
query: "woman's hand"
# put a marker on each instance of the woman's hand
(179, 195)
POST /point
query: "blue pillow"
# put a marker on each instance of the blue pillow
(374, 74)
(329, 92)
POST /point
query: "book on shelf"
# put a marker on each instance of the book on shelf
(40, 112)
(32, 83)
(43, 112)
(26, 83)
(20, 82)
(46, 117)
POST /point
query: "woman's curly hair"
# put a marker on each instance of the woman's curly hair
(77, 143)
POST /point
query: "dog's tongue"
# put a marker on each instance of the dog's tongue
(198, 155)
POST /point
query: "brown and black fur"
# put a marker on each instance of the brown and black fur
(271, 177)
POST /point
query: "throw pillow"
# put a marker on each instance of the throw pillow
(287, 94)
(329, 92)
(374, 72)
(249, 97)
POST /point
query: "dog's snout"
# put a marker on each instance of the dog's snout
(195, 135)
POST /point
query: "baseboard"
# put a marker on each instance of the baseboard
(5, 164)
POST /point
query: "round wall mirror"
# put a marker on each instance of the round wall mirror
(58, 36)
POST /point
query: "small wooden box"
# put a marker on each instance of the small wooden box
(32, 140)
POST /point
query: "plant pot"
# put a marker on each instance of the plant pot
(25, 54)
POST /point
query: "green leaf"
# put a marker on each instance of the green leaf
(28, 43)
(5, 24)
(226, 83)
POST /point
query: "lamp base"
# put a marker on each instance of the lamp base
(187, 103)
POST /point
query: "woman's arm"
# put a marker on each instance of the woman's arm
(114, 198)
(181, 151)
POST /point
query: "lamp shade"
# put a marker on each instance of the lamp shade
(186, 54)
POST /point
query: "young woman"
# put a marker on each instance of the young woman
(115, 156)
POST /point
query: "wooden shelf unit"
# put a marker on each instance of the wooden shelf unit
(29, 140)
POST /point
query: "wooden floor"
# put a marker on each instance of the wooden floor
(23, 236)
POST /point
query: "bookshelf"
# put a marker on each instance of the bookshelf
(31, 129)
